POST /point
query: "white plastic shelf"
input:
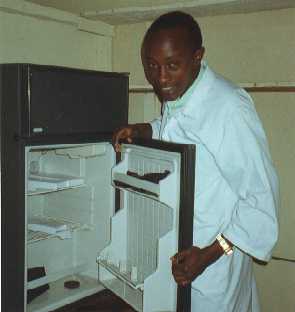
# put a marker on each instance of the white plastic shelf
(49, 182)
(41, 227)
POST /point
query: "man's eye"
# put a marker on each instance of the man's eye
(172, 66)
(152, 66)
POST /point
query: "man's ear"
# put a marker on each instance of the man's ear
(198, 55)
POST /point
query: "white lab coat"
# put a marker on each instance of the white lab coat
(236, 189)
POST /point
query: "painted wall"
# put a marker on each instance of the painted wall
(256, 47)
(34, 34)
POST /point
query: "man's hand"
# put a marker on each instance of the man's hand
(190, 263)
(129, 132)
(123, 134)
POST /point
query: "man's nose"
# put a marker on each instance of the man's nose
(163, 75)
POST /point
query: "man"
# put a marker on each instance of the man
(236, 189)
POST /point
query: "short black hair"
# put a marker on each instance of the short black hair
(177, 19)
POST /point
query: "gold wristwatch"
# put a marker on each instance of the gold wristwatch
(228, 250)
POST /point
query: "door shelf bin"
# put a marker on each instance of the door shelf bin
(125, 181)
(121, 286)
(130, 276)
(130, 175)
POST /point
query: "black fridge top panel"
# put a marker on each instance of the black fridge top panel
(63, 101)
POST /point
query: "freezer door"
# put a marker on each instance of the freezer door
(70, 101)
(39, 101)
(155, 220)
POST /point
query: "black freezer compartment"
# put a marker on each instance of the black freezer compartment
(52, 100)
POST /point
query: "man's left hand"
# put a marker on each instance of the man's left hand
(190, 263)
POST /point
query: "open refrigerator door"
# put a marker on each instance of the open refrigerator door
(145, 233)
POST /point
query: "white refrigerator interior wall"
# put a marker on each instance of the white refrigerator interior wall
(246, 48)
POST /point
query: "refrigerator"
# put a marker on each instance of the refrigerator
(77, 216)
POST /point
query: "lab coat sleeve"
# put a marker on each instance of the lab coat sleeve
(245, 163)
(156, 125)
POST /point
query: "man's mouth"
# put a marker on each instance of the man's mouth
(166, 93)
(166, 89)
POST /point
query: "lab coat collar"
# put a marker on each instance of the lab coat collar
(200, 92)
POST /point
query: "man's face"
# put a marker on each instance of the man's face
(169, 62)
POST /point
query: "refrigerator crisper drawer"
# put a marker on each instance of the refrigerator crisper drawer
(136, 264)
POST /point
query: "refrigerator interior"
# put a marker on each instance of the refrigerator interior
(74, 232)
